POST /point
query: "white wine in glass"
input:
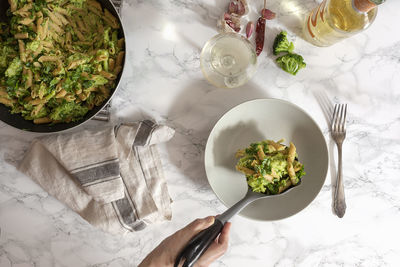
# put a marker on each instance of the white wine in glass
(228, 60)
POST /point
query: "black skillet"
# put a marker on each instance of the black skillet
(19, 122)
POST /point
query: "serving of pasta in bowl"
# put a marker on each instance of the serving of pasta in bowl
(60, 62)
(268, 146)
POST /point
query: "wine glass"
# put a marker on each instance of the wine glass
(228, 60)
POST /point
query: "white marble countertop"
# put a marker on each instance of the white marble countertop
(163, 80)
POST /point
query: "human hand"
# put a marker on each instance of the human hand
(165, 253)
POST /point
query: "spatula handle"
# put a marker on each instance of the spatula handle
(199, 244)
(236, 208)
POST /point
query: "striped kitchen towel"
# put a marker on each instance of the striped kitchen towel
(112, 177)
(91, 157)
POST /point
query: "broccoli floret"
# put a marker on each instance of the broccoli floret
(76, 60)
(252, 149)
(14, 68)
(99, 80)
(69, 111)
(273, 188)
(291, 63)
(300, 173)
(282, 44)
(6, 54)
(245, 161)
(257, 183)
(33, 46)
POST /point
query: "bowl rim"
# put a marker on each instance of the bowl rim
(324, 147)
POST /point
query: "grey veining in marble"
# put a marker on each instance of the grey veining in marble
(163, 80)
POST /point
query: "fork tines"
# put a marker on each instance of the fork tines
(339, 118)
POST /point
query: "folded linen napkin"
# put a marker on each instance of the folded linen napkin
(112, 177)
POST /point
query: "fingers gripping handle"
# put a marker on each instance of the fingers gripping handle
(199, 244)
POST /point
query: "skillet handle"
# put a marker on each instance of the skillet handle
(199, 244)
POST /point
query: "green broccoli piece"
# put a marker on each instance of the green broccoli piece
(282, 44)
(300, 173)
(33, 46)
(99, 80)
(95, 80)
(14, 68)
(69, 111)
(291, 63)
(245, 161)
(257, 184)
(6, 54)
(252, 149)
(273, 188)
(76, 60)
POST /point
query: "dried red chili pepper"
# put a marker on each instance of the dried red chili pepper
(260, 28)
(260, 33)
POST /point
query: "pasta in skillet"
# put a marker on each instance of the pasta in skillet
(58, 58)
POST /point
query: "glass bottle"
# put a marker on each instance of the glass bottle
(334, 20)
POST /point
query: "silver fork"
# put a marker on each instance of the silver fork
(338, 131)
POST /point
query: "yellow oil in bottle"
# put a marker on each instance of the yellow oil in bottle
(334, 20)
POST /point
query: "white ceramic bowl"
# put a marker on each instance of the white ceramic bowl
(254, 121)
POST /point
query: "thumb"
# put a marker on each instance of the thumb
(196, 227)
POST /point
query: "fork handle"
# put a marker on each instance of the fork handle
(339, 204)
